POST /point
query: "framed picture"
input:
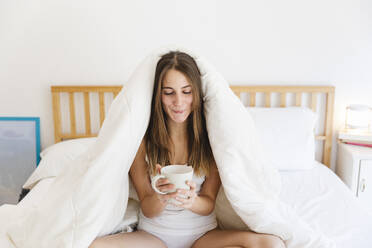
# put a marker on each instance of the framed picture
(19, 154)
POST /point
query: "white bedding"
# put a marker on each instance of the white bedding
(317, 195)
(325, 202)
(10, 212)
(89, 198)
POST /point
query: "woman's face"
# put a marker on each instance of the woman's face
(176, 96)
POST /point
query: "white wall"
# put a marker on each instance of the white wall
(318, 42)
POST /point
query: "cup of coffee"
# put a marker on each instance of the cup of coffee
(176, 174)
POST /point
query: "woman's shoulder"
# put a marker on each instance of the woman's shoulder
(142, 150)
(142, 146)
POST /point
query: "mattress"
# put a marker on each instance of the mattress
(317, 195)
(325, 202)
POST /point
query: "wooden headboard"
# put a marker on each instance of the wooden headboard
(252, 93)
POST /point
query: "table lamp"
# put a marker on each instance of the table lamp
(358, 118)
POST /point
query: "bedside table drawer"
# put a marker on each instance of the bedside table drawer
(365, 182)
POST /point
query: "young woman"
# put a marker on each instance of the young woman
(177, 134)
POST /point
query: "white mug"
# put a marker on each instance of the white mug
(176, 174)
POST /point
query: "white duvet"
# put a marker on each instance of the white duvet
(325, 202)
(90, 197)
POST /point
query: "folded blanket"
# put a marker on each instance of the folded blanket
(89, 198)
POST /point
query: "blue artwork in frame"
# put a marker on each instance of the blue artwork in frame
(19, 154)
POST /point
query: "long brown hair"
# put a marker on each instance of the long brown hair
(157, 137)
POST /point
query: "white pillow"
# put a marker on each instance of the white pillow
(55, 157)
(287, 136)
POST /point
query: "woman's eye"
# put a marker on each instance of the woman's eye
(172, 93)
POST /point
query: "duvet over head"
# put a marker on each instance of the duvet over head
(89, 198)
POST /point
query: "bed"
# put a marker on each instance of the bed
(315, 193)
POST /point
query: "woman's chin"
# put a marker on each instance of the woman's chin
(179, 120)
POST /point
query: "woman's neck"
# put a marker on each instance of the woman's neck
(179, 137)
(178, 131)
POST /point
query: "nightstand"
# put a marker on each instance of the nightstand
(354, 167)
(355, 136)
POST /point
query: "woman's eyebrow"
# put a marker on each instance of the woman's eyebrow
(172, 88)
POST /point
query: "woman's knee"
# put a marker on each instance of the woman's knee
(101, 242)
(96, 244)
(270, 241)
(261, 241)
(124, 240)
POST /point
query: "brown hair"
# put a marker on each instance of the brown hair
(157, 137)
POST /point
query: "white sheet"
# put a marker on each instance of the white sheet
(325, 202)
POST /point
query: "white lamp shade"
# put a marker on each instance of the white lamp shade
(358, 116)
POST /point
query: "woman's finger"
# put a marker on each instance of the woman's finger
(170, 195)
(182, 200)
(185, 203)
(183, 191)
(158, 168)
(162, 181)
(186, 193)
(191, 184)
(166, 187)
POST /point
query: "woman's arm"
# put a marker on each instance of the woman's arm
(152, 204)
(202, 204)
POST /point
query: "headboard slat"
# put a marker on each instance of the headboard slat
(101, 108)
(267, 99)
(72, 113)
(252, 97)
(328, 129)
(88, 129)
(57, 116)
(298, 99)
(314, 101)
(283, 98)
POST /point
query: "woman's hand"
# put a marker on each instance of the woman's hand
(164, 186)
(186, 197)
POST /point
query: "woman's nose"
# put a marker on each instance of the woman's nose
(178, 99)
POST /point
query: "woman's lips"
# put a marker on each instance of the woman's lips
(178, 112)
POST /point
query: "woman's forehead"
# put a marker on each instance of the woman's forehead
(175, 79)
